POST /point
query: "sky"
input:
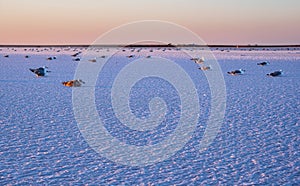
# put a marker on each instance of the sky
(215, 21)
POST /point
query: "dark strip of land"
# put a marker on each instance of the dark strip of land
(157, 45)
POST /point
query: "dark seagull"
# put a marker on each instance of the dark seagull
(51, 58)
(76, 54)
(264, 63)
(275, 73)
(130, 56)
(205, 68)
(42, 71)
(237, 72)
(76, 59)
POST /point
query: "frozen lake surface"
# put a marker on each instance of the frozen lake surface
(258, 142)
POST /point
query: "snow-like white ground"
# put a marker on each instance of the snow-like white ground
(258, 142)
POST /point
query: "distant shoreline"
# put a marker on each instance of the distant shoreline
(169, 45)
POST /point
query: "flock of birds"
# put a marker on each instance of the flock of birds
(264, 63)
(43, 71)
(238, 71)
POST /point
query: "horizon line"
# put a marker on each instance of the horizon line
(153, 45)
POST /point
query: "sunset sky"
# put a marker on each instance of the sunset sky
(215, 21)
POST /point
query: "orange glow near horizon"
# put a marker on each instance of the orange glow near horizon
(215, 21)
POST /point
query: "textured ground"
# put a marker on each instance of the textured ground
(258, 143)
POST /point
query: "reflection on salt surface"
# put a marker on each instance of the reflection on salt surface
(258, 143)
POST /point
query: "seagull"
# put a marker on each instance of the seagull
(275, 73)
(130, 56)
(237, 72)
(264, 63)
(42, 71)
(93, 60)
(198, 60)
(73, 83)
(76, 54)
(51, 58)
(205, 68)
(76, 59)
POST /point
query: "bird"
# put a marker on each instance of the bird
(275, 73)
(205, 68)
(76, 54)
(76, 59)
(51, 58)
(237, 72)
(73, 83)
(198, 60)
(42, 71)
(264, 63)
(93, 60)
(130, 56)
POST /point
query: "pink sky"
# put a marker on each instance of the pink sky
(215, 21)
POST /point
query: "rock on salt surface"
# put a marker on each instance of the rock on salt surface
(40, 142)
